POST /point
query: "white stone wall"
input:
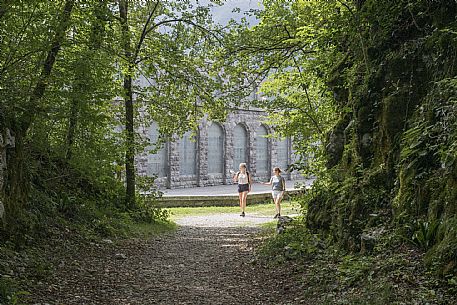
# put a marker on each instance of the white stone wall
(251, 120)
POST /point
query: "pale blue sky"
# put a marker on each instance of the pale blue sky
(222, 14)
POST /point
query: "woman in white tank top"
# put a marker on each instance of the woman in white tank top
(244, 186)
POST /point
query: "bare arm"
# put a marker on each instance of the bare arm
(235, 177)
(267, 183)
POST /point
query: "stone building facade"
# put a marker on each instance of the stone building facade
(217, 148)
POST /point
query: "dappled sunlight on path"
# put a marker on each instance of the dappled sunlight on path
(224, 220)
(194, 265)
(209, 259)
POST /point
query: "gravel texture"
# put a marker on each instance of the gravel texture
(224, 220)
(208, 260)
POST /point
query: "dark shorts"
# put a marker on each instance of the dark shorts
(243, 188)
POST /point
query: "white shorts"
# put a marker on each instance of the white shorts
(276, 194)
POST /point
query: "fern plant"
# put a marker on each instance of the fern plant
(425, 235)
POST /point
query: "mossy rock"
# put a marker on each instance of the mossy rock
(335, 143)
(319, 213)
(394, 163)
(393, 121)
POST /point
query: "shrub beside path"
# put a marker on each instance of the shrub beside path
(207, 260)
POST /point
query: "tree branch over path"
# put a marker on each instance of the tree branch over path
(164, 22)
(13, 51)
(316, 124)
(145, 32)
(33, 104)
(202, 28)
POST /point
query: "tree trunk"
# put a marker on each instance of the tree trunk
(72, 123)
(130, 148)
(129, 113)
(6, 142)
(96, 39)
(17, 182)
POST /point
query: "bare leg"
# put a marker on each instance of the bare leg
(241, 201)
(278, 204)
(245, 195)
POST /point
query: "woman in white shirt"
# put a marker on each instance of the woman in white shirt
(278, 188)
(243, 179)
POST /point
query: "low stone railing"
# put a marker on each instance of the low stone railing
(217, 200)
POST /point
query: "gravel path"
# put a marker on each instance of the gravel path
(208, 260)
(224, 220)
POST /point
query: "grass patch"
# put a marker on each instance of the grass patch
(146, 230)
(287, 208)
(269, 227)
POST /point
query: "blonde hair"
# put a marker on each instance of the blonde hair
(243, 165)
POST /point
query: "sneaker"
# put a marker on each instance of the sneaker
(277, 215)
(242, 214)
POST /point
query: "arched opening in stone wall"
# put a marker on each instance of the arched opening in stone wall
(157, 163)
(187, 163)
(241, 145)
(283, 150)
(188, 155)
(215, 149)
(262, 152)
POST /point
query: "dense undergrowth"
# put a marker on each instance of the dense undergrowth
(374, 82)
(65, 205)
(393, 151)
(392, 273)
(381, 220)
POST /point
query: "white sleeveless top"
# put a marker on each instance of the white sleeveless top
(242, 178)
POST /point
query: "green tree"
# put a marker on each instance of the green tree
(60, 78)
(374, 83)
(74, 72)
(22, 93)
(289, 55)
(168, 74)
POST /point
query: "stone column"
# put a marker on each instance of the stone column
(173, 163)
(202, 170)
(141, 159)
(274, 153)
(252, 151)
(291, 159)
(229, 152)
(252, 147)
(270, 153)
